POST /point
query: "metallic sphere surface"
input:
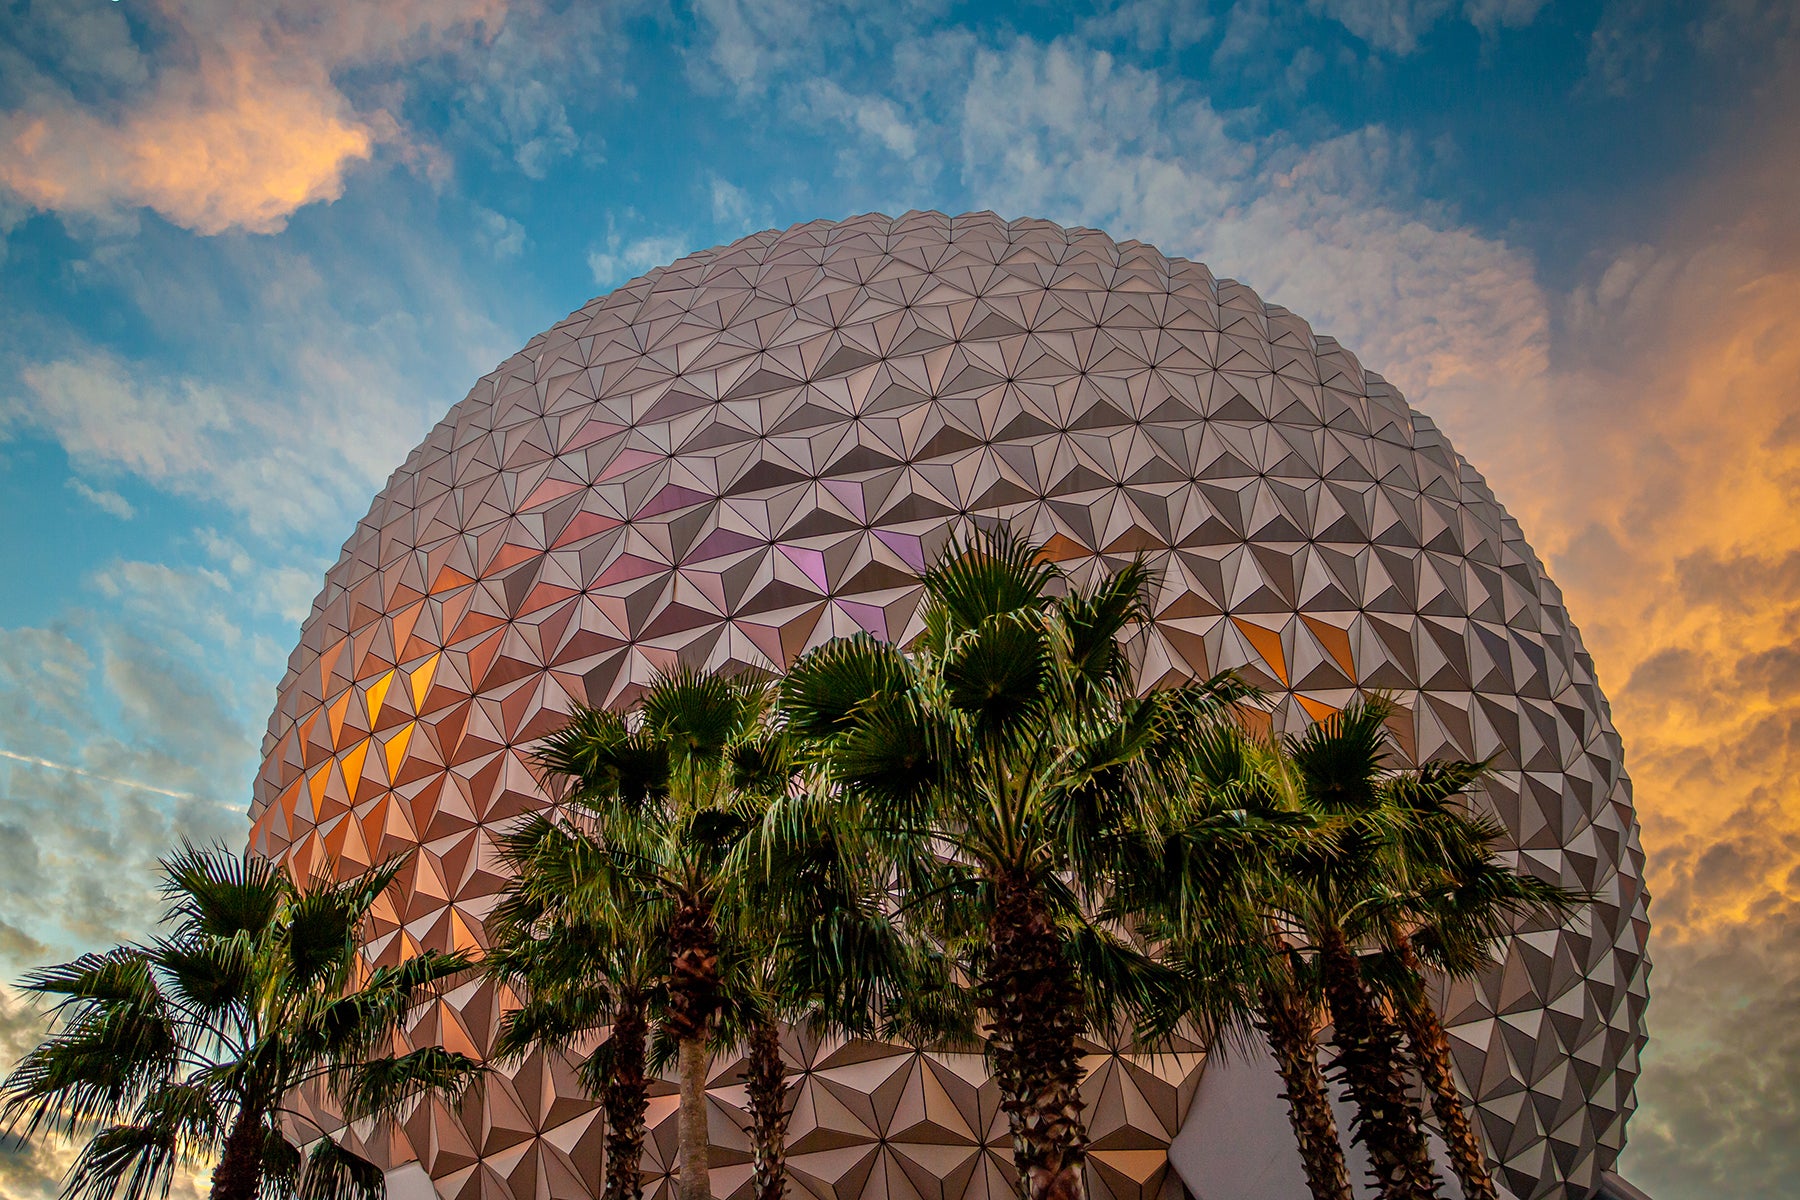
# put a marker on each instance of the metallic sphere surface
(758, 448)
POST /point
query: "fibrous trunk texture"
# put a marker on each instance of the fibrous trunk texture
(1373, 1065)
(693, 1000)
(693, 971)
(692, 1144)
(1034, 1003)
(626, 1098)
(767, 1086)
(239, 1173)
(1288, 1026)
(1431, 1054)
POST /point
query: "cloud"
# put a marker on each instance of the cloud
(28, 1170)
(1625, 47)
(503, 236)
(289, 381)
(106, 501)
(119, 736)
(188, 436)
(747, 43)
(519, 93)
(18, 946)
(78, 846)
(731, 205)
(1150, 26)
(622, 259)
(1396, 26)
(1635, 41)
(875, 117)
(284, 589)
(1656, 466)
(101, 410)
(1720, 1116)
(236, 120)
(1326, 229)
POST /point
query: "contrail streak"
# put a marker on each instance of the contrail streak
(130, 783)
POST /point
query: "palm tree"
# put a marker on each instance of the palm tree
(994, 768)
(1212, 894)
(1461, 901)
(1344, 893)
(823, 951)
(665, 802)
(186, 1048)
(583, 961)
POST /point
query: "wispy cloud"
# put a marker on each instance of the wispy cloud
(136, 784)
(105, 500)
(620, 259)
(311, 375)
(1397, 26)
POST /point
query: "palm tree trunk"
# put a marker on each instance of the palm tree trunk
(692, 1143)
(1431, 1054)
(626, 1099)
(768, 1088)
(693, 999)
(1288, 1026)
(1373, 1064)
(1035, 1009)
(239, 1173)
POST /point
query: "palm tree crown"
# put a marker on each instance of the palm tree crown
(583, 961)
(1215, 895)
(659, 801)
(993, 769)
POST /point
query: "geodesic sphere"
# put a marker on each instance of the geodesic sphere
(758, 448)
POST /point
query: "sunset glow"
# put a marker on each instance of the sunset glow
(250, 254)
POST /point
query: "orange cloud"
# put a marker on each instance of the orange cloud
(1663, 486)
(241, 120)
(1656, 466)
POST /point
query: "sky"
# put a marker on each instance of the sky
(249, 253)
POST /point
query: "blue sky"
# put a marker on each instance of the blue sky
(251, 253)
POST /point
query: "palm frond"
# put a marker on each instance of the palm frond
(176, 1124)
(333, 1172)
(1000, 671)
(320, 928)
(700, 713)
(120, 976)
(319, 936)
(1123, 985)
(362, 1020)
(1341, 757)
(221, 893)
(553, 1022)
(991, 573)
(95, 1068)
(281, 1166)
(124, 1162)
(388, 1087)
(211, 974)
(895, 755)
(1089, 625)
(598, 761)
(829, 686)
